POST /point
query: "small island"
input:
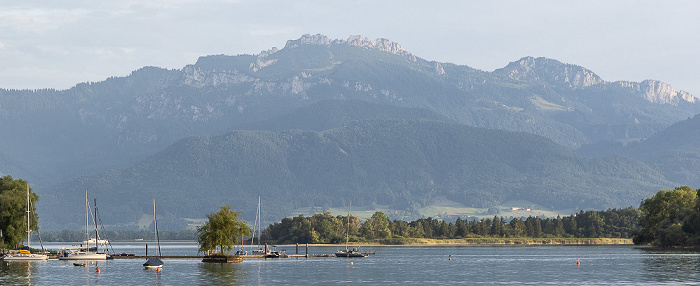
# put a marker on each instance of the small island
(219, 234)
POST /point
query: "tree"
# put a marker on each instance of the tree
(665, 205)
(221, 231)
(13, 210)
(377, 226)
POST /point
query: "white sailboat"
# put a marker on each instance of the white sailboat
(26, 255)
(84, 253)
(256, 227)
(154, 262)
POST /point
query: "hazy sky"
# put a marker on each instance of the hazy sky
(57, 44)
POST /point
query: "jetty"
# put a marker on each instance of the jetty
(242, 256)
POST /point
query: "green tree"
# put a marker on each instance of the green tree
(665, 205)
(376, 227)
(221, 231)
(13, 211)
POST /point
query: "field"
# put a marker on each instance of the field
(443, 208)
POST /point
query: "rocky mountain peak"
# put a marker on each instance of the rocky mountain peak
(380, 44)
(658, 92)
(551, 71)
(308, 39)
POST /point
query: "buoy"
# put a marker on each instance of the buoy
(578, 262)
(449, 257)
(98, 270)
(158, 270)
(351, 262)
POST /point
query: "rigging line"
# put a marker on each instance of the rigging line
(155, 225)
(43, 251)
(104, 232)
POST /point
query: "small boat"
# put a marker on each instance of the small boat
(273, 253)
(154, 262)
(80, 264)
(94, 241)
(24, 253)
(349, 253)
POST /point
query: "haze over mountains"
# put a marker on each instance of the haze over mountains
(329, 120)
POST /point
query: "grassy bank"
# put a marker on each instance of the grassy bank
(506, 241)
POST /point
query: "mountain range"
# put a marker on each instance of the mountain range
(125, 137)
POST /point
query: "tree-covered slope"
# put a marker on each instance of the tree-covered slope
(399, 163)
(675, 152)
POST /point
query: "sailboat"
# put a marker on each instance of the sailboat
(25, 254)
(154, 262)
(348, 253)
(84, 253)
(256, 227)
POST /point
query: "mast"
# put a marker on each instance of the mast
(155, 227)
(259, 221)
(347, 234)
(29, 229)
(97, 237)
(87, 234)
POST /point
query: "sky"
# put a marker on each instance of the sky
(58, 44)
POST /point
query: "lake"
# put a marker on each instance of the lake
(392, 265)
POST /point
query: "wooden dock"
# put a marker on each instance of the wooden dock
(243, 256)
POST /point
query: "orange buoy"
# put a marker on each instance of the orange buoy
(449, 257)
(158, 270)
(98, 270)
(578, 262)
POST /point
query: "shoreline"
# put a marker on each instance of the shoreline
(505, 241)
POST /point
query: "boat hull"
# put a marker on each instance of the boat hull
(87, 256)
(350, 255)
(25, 257)
(152, 267)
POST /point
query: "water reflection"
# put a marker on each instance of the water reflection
(18, 272)
(220, 273)
(671, 265)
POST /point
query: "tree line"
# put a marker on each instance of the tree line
(326, 228)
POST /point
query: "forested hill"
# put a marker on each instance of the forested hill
(400, 163)
(675, 151)
(328, 114)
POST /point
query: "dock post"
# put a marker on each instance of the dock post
(297, 248)
(146, 249)
(307, 250)
(265, 250)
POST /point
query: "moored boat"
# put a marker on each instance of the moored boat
(24, 254)
(154, 262)
(349, 253)
(84, 253)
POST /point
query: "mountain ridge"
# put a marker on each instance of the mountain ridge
(69, 135)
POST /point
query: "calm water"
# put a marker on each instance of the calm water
(392, 265)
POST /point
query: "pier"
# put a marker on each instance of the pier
(242, 256)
